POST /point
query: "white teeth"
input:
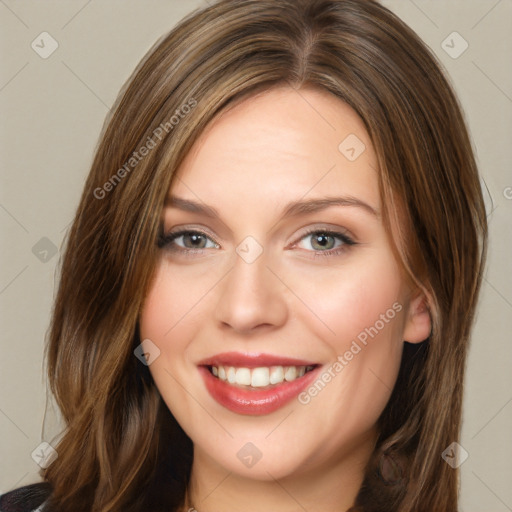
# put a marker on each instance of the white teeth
(231, 375)
(243, 376)
(290, 373)
(259, 377)
(276, 374)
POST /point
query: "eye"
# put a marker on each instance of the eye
(325, 242)
(187, 241)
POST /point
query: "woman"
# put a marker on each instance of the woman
(269, 286)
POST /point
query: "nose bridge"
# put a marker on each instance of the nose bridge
(251, 295)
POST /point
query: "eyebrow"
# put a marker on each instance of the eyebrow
(293, 209)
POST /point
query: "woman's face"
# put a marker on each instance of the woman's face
(277, 306)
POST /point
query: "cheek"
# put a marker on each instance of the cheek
(173, 305)
(350, 302)
(170, 318)
(362, 319)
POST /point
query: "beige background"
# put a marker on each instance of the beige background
(52, 111)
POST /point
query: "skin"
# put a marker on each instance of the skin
(274, 148)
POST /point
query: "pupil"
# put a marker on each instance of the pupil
(322, 240)
(195, 239)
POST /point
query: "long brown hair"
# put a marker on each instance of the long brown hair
(122, 450)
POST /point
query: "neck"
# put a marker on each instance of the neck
(328, 487)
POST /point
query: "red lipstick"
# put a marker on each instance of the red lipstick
(250, 400)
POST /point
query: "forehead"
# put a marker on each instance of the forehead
(278, 146)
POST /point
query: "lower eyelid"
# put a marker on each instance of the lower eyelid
(332, 252)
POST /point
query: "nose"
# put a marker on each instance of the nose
(251, 298)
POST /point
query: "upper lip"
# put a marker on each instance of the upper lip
(244, 360)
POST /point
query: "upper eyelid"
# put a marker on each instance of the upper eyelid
(181, 231)
(329, 231)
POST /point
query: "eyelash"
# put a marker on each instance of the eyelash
(166, 240)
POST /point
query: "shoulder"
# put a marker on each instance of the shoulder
(25, 499)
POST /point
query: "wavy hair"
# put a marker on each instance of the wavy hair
(122, 450)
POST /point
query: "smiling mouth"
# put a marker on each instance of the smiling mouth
(255, 384)
(264, 377)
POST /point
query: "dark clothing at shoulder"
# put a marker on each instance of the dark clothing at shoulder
(25, 499)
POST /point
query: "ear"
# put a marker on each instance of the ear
(418, 323)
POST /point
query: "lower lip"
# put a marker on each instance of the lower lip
(255, 402)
